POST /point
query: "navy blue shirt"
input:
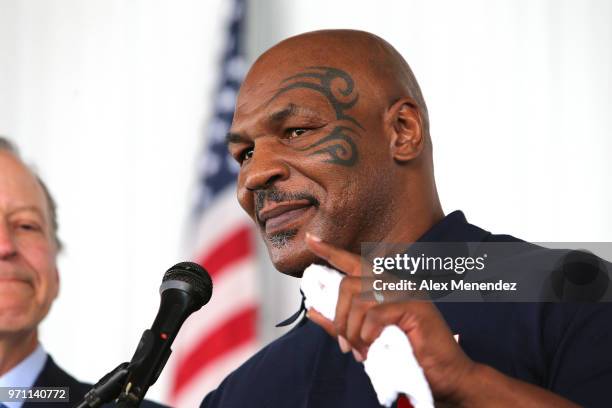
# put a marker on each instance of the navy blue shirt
(563, 347)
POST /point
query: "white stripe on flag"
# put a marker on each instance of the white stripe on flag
(235, 290)
(222, 217)
(210, 378)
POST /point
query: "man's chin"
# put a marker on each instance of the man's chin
(282, 239)
(288, 252)
(17, 321)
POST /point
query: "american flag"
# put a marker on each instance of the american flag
(223, 334)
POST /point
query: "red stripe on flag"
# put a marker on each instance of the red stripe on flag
(232, 333)
(232, 248)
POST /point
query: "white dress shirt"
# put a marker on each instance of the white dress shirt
(25, 373)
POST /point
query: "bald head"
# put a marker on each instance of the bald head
(372, 60)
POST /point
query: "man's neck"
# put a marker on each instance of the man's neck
(14, 348)
(413, 223)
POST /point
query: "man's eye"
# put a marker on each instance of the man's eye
(295, 132)
(246, 154)
(28, 226)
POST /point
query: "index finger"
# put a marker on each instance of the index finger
(342, 260)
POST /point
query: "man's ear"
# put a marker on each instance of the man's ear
(406, 130)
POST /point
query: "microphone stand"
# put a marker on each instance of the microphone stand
(127, 398)
(107, 389)
(139, 379)
(113, 385)
(119, 384)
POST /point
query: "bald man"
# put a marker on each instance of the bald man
(332, 136)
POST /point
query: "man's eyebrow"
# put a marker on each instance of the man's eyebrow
(275, 117)
(289, 111)
(232, 137)
(29, 208)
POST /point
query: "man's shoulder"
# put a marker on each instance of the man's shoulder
(304, 338)
(278, 371)
(52, 375)
(556, 338)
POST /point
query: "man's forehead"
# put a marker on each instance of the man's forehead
(263, 82)
(274, 102)
(19, 188)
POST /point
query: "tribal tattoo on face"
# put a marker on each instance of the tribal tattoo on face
(338, 87)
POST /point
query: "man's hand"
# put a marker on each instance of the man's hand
(453, 377)
(360, 319)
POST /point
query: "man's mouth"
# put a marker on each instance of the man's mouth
(11, 278)
(278, 216)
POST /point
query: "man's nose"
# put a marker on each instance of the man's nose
(7, 241)
(266, 167)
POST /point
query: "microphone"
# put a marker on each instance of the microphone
(185, 288)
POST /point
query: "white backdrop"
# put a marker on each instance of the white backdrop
(109, 98)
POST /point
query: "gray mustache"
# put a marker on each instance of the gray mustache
(277, 196)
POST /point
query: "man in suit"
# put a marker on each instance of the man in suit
(331, 132)
(29, 280)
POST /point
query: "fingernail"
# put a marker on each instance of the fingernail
(308, 314)
(357, 355)
(344, 344)
(313, 237)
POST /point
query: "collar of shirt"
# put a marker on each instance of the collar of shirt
(25, 373)
(450, 228)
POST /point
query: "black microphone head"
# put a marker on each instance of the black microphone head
(190, 276)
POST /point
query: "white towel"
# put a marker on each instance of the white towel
(390, 363)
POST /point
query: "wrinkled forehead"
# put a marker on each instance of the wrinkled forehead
(19, 187)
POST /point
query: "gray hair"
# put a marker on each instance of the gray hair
(7, 145)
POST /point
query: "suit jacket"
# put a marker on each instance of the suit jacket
(53, 376)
